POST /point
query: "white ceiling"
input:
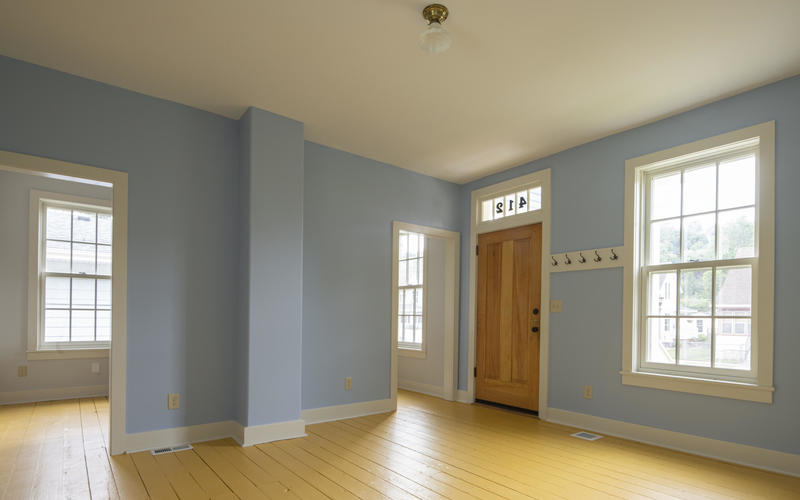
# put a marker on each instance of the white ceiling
(523, 78)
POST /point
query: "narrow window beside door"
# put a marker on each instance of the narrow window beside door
(410, 290)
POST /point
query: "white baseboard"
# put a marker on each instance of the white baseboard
(429, 389)
(751, 456)
(141, 441)
(265, 433)
(463, 397)
(339, 412)
(58, 393)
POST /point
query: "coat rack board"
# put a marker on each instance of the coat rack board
(584, 260)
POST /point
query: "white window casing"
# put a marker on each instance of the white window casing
(752, 379)
(39, 347)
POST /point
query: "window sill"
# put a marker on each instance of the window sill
(718, 388)
(411, 353)
(67, 354)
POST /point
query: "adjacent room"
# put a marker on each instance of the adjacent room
(391, 249)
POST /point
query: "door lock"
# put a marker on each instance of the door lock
(535, 311)
(535, 329)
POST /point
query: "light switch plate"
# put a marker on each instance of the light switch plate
(174, 401)
(22, 371)
(95, 367)
(555, 306)
(587, 391)
(348, 383)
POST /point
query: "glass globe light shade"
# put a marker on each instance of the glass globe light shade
(434, 39)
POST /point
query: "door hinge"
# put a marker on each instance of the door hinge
(475, 372)
(476, 249)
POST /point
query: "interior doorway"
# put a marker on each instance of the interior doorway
(75, 321)
(509, 316)
(425, 270)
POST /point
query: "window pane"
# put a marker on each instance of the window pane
(535, 198)
(732, 350)
(421, 252)
(408, 301)
(104, 228)
(56, 326)
(699, 189)
(82, 326)
(511, 204)
(499, 207)
(84, 226)
(665, 196)
(522, 202)
(103, 294)
(695, 293)
(737, 233)
(82, 293)
(402, 273)
(83, 258)
(413, 245)
(413, 272)
(698, 238)
(418, 301)
(408, 329)
(418, 329)
(57, 257)
(486, 210)
(58, 223)
(694, 346)
(56, 292)
(402, 245)
(104, 260)
(737, 182)
(661, 340)
(103, 325)
(663, 298)
(734, 288)
(665, 242)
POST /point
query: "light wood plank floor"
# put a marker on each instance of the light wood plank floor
(429, 448)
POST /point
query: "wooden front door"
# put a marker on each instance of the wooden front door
(509, 295)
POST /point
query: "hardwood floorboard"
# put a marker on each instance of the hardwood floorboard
(428, 449)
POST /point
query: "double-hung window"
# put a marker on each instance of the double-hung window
(702, 226)
(70, 273)
(410, 291)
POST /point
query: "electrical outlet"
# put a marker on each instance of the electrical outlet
(95, 367)
(348, 383)
(555, 306)
(22, 371)
(587, 391)
(174, 401)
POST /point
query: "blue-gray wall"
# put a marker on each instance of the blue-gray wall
(272, 163)
(350, 203)
(182, 232)
(588, 212)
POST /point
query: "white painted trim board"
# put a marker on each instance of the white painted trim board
(751, 456)
(54, 394)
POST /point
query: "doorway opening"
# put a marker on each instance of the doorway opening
(67, 235)
(425, 281)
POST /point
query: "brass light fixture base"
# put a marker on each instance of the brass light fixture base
(435, 13)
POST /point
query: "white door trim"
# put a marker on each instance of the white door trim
(452, 241)
(477, 227)
(118, 181)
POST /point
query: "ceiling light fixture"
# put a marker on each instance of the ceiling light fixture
(435, 38)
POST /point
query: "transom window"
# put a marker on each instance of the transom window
(519, 201)
(410, 290)
(74, 275)
(699, 254)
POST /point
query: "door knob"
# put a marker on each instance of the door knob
(535, 311)
(535, 329)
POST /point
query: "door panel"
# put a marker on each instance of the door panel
(509, 289)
